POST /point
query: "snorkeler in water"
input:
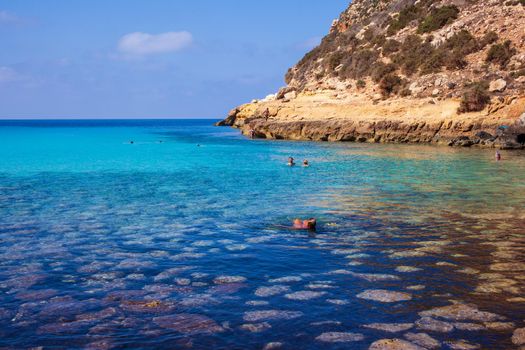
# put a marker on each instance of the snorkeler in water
(291, 161)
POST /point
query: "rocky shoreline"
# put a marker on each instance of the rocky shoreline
(405, 71)
(325, 117)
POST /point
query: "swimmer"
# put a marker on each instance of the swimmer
(291, 161)
(498, 156)
(131, 142)
(305, 163)
(309, 224)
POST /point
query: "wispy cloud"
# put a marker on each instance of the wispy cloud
(143, 44)
(9, 18)
(8, 75)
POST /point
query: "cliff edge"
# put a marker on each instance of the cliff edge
(448, 72)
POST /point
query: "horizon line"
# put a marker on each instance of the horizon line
(104, 118)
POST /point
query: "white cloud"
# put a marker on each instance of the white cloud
(7, 17)
(8, 75)
(142, 44)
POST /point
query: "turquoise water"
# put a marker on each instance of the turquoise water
(180, 240)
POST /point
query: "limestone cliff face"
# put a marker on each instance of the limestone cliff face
(448, 71)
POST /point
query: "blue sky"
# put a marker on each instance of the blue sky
(150, 58)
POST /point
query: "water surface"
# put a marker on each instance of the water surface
(177, 240)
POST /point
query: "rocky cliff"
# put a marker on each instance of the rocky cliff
(449, 72)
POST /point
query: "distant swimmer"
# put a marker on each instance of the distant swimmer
(305, 163)
(309, 224)
(498, 156)
(291, 161)
(252, 133)
(132, 142)
(298, 224)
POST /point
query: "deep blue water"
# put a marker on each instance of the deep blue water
(180, 239)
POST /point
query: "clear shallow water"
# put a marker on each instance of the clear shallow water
(106, 244)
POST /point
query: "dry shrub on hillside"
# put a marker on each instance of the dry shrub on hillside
(475, 97)
(501, 54)
(391, 84)
(438, 18)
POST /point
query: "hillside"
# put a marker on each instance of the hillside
(449, 72)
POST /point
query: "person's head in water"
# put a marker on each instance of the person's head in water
(291, 161)
(310, 224)
(305, 163)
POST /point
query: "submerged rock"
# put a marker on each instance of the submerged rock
(97, 316)
(384, 296)
(257, 303)
(514, 267)
(304, 295)
(256, 327)
(390, 327)
(198, 300)
(271, 291)
(430, 324)
(407, 254)
(319, 286)
(152, 306)
(273, 345)
(341, 272)
(286, 279)
(345, 251)
(416, 287)
(518, 337)
(394, 344)
(189, 324)
(229, 279)
(41, 294)
(467, 326)
(340, 337)
(236, 247)
(229, 288)
(499, 326)
(407, 269)
(268, 315)
(62, 327)
(325, 323)
(423, 339)
(462, 345)
(461, 312)
(375, 277)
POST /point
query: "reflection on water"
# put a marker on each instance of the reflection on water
(176, 246)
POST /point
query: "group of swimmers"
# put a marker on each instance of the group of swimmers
(291, 162)
(298, 224)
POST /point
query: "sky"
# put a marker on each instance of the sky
(150, 58)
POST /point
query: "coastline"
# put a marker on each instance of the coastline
(335, 117)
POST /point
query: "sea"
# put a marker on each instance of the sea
(176, 234)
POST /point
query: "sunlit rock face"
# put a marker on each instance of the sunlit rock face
(397, 71)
